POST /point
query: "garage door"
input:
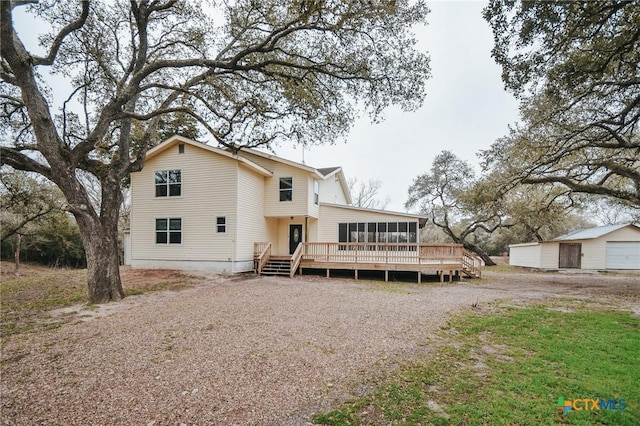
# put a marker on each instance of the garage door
(623, 255)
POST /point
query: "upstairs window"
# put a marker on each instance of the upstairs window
(169, 231)
(286, 189)
(316, 192)
(168, 183)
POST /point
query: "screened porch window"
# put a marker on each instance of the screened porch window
(378, 232)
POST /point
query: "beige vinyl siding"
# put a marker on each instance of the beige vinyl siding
(208, 191)
(281, 241)
(313, 230)
(272, 232)
(549, 255)
(331, 191)
(273, 207)
(527, 255)
(595, 250)
(331, 216)
(252, 225)
(299, 205)
(593, 253)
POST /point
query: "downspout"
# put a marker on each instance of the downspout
(235, 228)
(306, 229)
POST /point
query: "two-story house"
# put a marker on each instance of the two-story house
(198, 207)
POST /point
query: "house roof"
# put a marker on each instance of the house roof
(421, 219)
(337, 171)
(282, 160)
(176, 139)
(326, 171)
(588, 234)
(322, 173)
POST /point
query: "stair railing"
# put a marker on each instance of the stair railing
(263, 258)
(295, 260)
(471, 262)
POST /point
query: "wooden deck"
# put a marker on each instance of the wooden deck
(429, 259)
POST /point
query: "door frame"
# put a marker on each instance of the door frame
(292, 243)
(572, 258)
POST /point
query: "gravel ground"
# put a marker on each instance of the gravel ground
(261, 351)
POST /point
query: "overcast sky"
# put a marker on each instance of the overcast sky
(466, 109)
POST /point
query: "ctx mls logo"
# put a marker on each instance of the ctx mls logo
(589, 404)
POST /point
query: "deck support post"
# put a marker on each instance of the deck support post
(419, 277)
(386, 275)
(441, 273)
(450, 275)
(328, 272)
(356, 271)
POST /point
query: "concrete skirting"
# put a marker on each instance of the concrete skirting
(195, 265)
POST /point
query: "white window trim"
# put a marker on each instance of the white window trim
(165, 197)
(280, 190)
(168, 243)
(218, 225)
(316, 192)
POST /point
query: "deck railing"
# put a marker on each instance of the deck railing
(387, 253)
(261, 255)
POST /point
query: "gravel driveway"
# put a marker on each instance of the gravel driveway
(266, 351)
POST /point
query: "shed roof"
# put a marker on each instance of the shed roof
(589, 234)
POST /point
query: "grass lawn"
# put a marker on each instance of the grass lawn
(25, 300)
(508, 365)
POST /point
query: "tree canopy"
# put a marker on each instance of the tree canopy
(365, 194)
(456, 202)
(25, 202)
(574, 66)
(250, 72)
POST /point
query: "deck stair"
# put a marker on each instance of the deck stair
(471, 272)
(277, 266)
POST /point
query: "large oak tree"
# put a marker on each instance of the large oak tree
(574, 66)
(456, 202)
(251, 72)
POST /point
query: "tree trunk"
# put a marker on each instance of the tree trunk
(467, 245)
(100, 238)
(16, 255)
(103, 262)
(481, 253)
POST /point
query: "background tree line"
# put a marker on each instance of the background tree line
(35, 225)
(574, 159)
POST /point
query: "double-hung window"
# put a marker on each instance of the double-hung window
(316, 192)
(168, 183)
(169, 231)
(286, 189)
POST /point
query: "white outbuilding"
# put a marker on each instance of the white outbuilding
(602, 248)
